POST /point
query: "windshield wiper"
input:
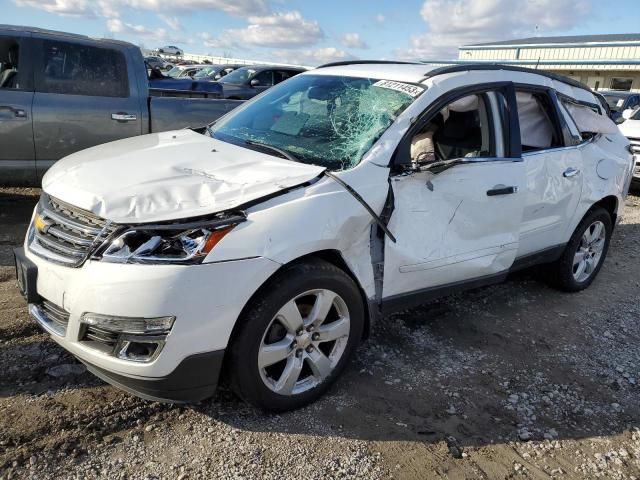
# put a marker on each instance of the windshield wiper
(283, 153)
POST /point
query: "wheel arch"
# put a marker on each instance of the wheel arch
(610, 204)
(328, 255)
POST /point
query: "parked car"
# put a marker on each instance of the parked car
(171, 50)
(215, 72)
(61, 93)
(620, 102)
(157, 80)
(271, 241)
(158, 62)
(247, 82)
(631, 129)
(184, 71)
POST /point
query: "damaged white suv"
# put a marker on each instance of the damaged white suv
(268, 243)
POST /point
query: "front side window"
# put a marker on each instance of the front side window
(75, 69)
(325, 120)
(460, 129)
(239, 76)
(265, 78)
(10, 77)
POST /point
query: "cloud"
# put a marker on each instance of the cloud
(240, 8)
(380, 18)
(117, 26)
(451, 23)
(110, 8)
(312, 57)
(172, 22)
(279, 30)
(353, 40)
(61, 7)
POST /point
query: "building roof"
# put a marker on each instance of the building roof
(571, 39)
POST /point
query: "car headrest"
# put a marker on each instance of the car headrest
(13, 55)
(460, 124)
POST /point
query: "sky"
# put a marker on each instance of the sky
(311, 32)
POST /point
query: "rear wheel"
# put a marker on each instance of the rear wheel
(584, 254)
(296, 337)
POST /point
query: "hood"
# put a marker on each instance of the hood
(169, 176)
(630, 128)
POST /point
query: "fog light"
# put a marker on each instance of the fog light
(127, 338)
(130, 325)
(138, 348)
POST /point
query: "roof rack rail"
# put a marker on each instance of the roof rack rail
(365, 62)
(498, 66)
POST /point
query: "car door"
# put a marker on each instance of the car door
(552, 168)
(459, 225)
(17, 156)
(83, 98)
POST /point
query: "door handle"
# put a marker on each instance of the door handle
(500, 190)
(17, 112)
(570, 172)
(124, 117)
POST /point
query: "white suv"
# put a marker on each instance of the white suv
(270, 242)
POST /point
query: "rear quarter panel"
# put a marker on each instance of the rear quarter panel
(606, 169)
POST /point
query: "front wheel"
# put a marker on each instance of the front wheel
(296, 337)
(584, 254)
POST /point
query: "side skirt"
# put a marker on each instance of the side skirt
(403, 301)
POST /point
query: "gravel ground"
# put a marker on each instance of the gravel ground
(511, 381)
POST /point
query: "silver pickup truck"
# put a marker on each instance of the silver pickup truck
(60, 93)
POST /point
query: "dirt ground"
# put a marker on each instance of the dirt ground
(511, 381)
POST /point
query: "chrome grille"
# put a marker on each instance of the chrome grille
(101, 338)
(636, 169)
(65, 234)
(51, 317)
(56, 314)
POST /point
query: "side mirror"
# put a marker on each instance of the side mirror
(255, 82)
(627, 113)
(217, 77)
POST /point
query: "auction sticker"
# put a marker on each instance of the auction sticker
(411, 90)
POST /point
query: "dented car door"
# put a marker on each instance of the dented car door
(457, 217)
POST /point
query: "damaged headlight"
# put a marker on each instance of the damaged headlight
(167, 243)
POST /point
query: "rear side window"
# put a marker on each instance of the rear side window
(539, 125)
(74, 69)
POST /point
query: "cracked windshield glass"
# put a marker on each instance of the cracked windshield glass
(323, 120)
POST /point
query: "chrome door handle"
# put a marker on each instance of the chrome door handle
(123, 117)
(570, 172)
(17, 112)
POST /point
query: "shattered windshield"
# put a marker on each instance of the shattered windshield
(323, 120)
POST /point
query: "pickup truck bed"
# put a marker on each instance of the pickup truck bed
(61, 93)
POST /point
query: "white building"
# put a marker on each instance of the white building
(600, 61)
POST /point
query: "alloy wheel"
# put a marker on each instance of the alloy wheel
(589, 252)
(304, 342)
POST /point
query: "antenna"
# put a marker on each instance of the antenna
(537, 63)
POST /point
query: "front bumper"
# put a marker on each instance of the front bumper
(194, 379)
(205, 299)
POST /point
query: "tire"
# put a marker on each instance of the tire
(564, 274)
(269, 324)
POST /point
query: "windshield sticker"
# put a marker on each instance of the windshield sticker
(411, 90)
(620, 102)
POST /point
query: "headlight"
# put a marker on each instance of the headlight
(164, 244)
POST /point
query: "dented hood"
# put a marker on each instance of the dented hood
(169, 176)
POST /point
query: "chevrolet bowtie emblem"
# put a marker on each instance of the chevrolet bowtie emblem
(41, 224)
